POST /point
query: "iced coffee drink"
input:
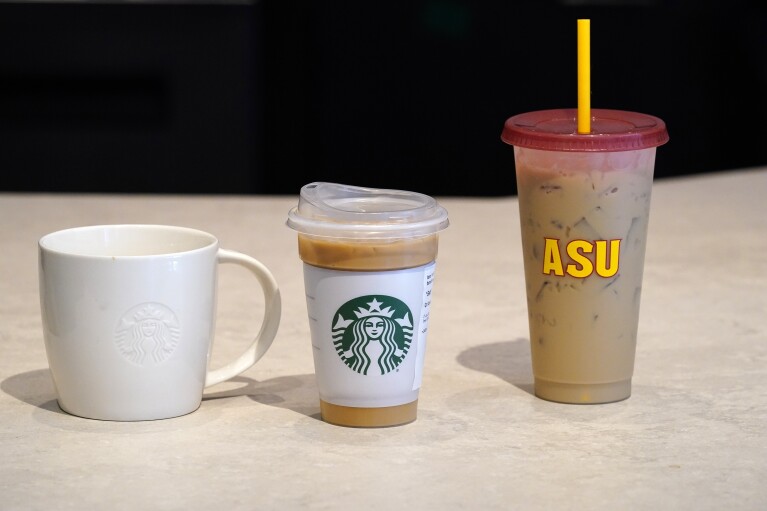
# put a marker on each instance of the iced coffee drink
(584, 205)
(367, 255)
(369, 259)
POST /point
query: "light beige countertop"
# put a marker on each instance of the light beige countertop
(693, 435)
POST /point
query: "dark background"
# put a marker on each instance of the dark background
(265, 96)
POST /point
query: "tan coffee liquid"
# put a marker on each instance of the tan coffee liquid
(583, 325)
(368, 417)
(368, 255)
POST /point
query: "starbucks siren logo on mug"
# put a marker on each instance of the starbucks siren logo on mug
(149, 330)
(373, 328)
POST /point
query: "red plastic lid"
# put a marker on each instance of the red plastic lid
(611, 130)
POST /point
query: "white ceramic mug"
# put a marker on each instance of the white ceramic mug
(129, 313)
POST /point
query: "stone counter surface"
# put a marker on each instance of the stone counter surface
(691, 436)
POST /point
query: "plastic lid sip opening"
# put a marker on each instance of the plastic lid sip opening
(345, 211)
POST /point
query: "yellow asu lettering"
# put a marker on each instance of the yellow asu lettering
(587, 257)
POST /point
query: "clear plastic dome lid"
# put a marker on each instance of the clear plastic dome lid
(345, 211)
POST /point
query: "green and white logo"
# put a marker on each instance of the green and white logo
(373, 327)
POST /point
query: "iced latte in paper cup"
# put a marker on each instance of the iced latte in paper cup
(369, 259)
(584, 205)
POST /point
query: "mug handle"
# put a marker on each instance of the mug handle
(269, 325)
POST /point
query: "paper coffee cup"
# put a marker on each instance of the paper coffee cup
(369, 264)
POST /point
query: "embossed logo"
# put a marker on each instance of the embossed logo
(373, 328)
(147, 333)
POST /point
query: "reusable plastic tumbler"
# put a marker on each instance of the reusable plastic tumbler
(584, 206)
(369, 262)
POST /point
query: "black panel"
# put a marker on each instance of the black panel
(264, 97)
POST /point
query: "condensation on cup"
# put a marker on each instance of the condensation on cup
(584, 206)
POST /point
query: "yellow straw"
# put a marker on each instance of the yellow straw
(584, 76)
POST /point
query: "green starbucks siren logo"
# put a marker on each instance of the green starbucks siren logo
(373, 327)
